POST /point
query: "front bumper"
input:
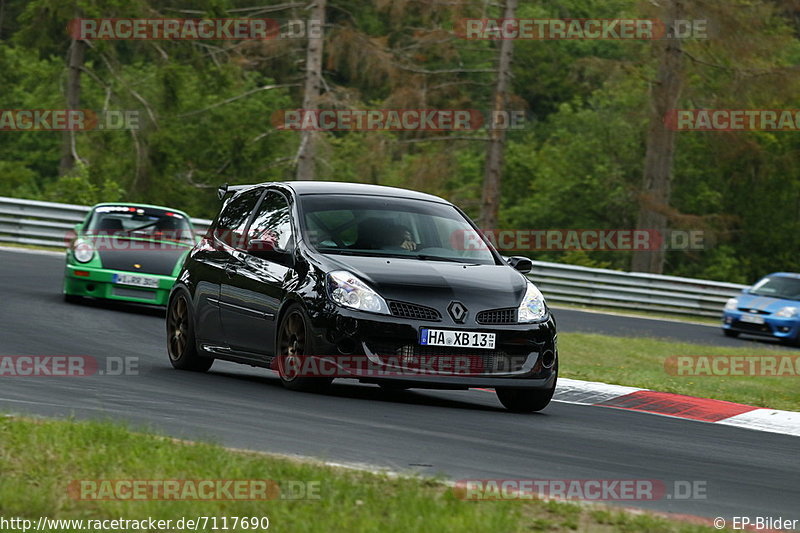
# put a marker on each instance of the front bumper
(525, 355)
(99, 283)
(773, 327)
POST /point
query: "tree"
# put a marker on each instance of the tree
(306, 153)
(69, 154)
(660, 143)
(490, 200)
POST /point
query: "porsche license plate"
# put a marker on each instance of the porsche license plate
(135, 281)
(456, 339)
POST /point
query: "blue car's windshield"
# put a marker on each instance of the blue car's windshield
(778, 287)
(380, 226)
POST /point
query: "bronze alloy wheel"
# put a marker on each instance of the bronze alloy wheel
(181, 344)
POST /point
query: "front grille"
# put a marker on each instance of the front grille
(746, 326)
(413, 311)
(497, 316)
(758, 311)
(447, 360)
(134, 293)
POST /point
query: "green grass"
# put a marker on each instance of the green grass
(639, 362)
(39, 458)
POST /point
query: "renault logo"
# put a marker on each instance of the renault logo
(457, 311)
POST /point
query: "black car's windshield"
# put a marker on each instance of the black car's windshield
(380, 226)
(778, 287)
(146, 222)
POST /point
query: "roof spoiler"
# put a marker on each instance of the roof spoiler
(223, 190)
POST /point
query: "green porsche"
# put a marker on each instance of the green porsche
(130, 252)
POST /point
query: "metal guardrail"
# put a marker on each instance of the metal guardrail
(632, 290)
(47, 224)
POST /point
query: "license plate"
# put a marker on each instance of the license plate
(752, 319)
(135, 281)
(456, 339)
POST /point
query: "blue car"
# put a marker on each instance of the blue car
(770, 308)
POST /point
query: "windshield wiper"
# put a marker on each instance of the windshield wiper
(424, 257)
(362, 253)
(376, 253)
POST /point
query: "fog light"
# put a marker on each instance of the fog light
(346, 346)
(548, 358)
(347, 325)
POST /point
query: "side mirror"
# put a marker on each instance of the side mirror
(266, 248)
(522, 264)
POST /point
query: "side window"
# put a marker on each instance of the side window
(232, 222)
(272, 224)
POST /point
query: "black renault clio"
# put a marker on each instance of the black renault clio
(319, 280)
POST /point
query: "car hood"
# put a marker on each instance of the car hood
(143, 256)
(436, 283)
(765, 304)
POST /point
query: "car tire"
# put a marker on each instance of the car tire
(526, 400)
(730, 333)
(181, 344)
(72, 298)
(294, 344)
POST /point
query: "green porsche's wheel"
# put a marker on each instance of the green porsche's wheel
(181, 344)
(72, 299)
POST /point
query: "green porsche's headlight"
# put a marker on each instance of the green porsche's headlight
(83, 251)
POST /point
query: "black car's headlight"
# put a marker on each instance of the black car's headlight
(347, 290)
(82, 251)
(532, 308)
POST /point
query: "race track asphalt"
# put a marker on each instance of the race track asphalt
(461, 434)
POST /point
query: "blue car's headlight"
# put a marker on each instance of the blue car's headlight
(787, 312)
(346, 289)
(532, 307)
(731, 304)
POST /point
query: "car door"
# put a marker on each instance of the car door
(258, 276)
(211, 258)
